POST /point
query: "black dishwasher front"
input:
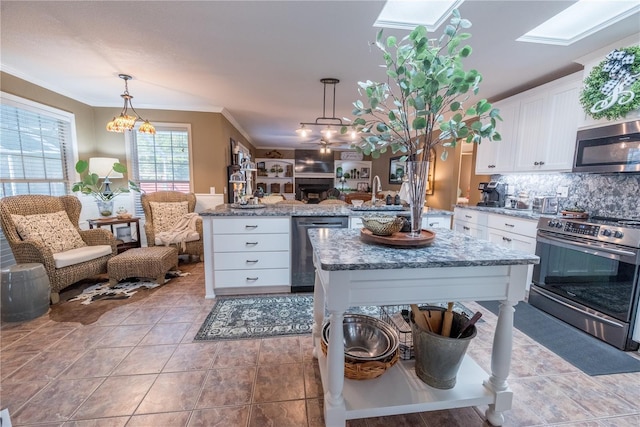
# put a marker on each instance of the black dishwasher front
(302, 270)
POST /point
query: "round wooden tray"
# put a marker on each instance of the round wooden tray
(399, 239)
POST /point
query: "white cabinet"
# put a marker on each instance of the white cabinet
(436, 221)
(250, 254)
(513, 233)
(276, 176)
(470, 222)
(497, 156)
(538, 130)
(357, 174)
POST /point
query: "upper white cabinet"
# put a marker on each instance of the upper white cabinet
(538, 131)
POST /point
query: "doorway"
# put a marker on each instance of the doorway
(464, 176)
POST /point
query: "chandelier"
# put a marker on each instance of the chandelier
(124, 121)
(331, 125)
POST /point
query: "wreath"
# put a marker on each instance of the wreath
(612, 89)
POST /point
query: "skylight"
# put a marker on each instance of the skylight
(408, 14)
(580, 20)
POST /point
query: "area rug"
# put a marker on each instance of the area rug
(263, 316)
(589, 354)
(86, 302)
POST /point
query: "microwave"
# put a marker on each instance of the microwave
(614, 148)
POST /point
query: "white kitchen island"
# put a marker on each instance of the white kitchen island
(454, 268)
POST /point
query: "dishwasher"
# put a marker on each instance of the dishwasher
(302, 270)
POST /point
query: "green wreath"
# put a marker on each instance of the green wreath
(593, 84)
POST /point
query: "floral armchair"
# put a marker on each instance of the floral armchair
(162, 210)
(44, 229)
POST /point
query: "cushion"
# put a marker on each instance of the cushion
(167, 214)
(54, 230)
(78, 255)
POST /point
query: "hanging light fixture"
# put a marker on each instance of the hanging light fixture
(124, 121)
(332, 125)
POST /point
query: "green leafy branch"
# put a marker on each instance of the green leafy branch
(91, 185)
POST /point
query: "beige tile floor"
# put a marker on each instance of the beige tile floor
(139, 366)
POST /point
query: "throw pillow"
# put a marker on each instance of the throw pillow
(55, 230)
(167, 214)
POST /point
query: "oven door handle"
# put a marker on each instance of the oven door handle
(586, 313)
(614, 253)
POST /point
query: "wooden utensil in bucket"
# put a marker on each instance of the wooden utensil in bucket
(447, 320)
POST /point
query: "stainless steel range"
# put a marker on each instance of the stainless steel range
(588, 275)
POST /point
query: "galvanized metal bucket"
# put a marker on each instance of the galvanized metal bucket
(438, 358)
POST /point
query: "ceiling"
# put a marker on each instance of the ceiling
(260, 61)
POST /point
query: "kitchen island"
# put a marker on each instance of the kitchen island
(454, 268)
(250, 250)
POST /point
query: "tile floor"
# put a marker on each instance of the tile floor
(139, 366)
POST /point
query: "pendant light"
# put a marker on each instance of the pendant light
(124, 121)
(331, 125)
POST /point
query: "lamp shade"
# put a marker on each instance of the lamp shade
(103, 166)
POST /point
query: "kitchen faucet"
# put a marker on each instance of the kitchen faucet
(375, 189)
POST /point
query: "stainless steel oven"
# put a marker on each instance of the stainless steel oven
(588, 276)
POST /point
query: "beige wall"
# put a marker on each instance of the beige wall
(210, 132)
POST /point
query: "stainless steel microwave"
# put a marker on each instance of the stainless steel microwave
(614, 148)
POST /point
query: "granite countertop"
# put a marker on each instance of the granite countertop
(518, 213)
(342, 249)
(311, 210)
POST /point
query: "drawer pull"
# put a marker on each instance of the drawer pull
(431, 224)
(464, 227)
(506, 239)
(468, 216)
(251, 243)
(251, 226)
(253, 261)
(251, 279)
(509, 225)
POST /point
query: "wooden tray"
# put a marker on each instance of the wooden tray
(399, 239)
(576, 215)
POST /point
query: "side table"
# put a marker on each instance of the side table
(133, 240)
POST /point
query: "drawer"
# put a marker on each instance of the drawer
(250, 225)
(470, 216)
(355, 222)
(520, 226)
(251, 242)
(250, 260)
(252, 278)
(436, 222)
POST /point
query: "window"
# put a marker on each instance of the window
(161, 162)
(36, 152)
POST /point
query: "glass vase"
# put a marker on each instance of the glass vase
(105, 208)
(417, 179)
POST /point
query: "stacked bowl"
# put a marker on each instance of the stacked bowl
(370, 346)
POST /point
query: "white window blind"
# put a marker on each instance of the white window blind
(161, 162)
(36, 152)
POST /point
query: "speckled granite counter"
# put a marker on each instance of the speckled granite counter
(454, 268)
(311, 210)
(342, 249)
(518, 213)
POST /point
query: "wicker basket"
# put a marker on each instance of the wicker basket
(288, 187)
(275, 187)
(383, 225)
(365, 370)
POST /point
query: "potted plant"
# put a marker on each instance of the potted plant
(422, 104)
(101, 191)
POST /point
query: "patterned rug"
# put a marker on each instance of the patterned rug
(263, 316)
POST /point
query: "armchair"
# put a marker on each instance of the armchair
(162, 210)
(44, 229)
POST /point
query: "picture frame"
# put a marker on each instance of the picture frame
(397, 170)
(124, 234)
(362, 186)
(365, 172)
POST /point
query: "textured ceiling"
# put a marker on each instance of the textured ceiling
(261, 61)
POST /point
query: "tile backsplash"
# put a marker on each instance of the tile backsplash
(616, 195)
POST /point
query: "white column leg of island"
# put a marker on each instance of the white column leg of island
(501, 364)
(334, 408)
(318, 314)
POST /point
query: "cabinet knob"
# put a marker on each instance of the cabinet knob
(464, 227)
(506, 239)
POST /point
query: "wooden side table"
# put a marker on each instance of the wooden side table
(123, 244)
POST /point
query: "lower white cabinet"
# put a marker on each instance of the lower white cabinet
(470, 222)
(251, 253)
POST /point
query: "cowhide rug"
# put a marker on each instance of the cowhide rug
(86, 302)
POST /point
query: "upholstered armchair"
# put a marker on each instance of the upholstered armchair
(44, 229)
(162, 210)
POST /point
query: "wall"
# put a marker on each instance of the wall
(210, 132)
(614, 195)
